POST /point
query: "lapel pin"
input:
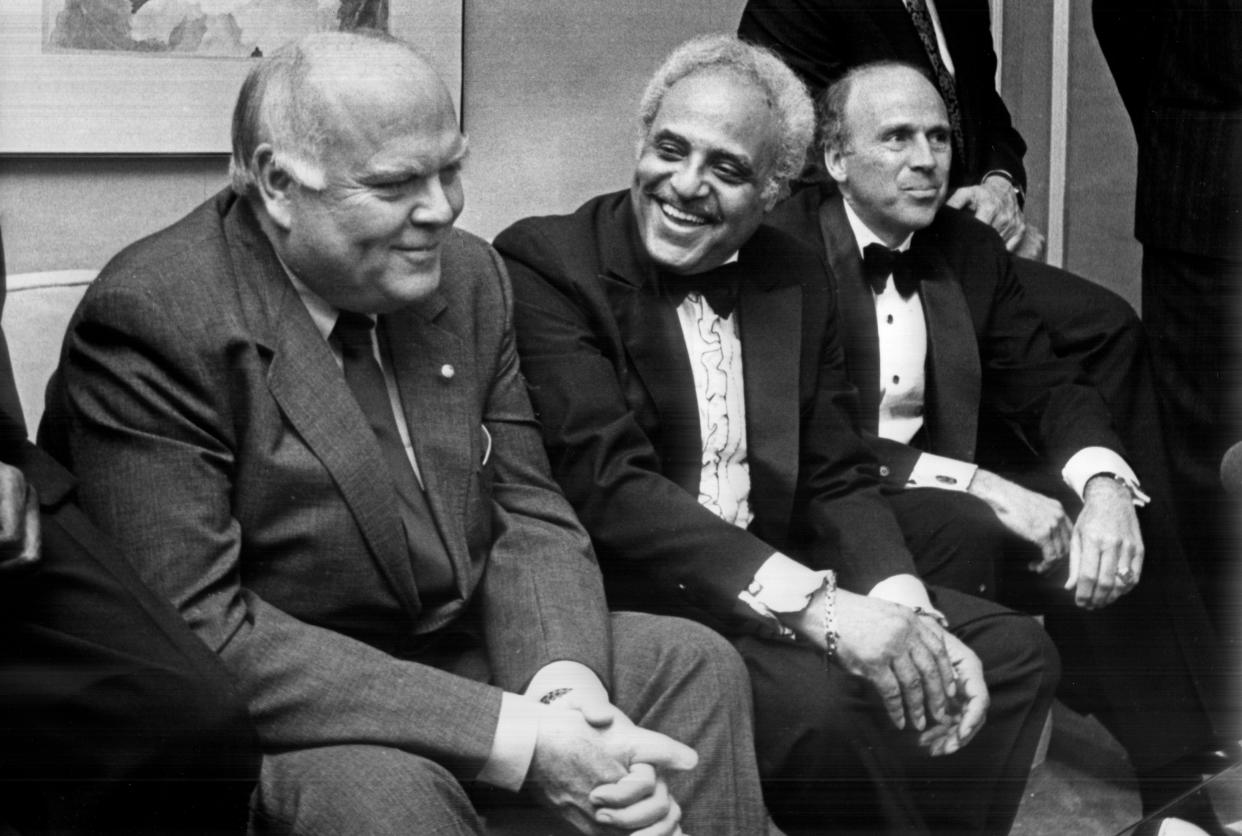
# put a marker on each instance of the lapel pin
(447, 371)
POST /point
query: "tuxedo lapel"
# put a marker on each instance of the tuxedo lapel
(435, 378)
(770, 322)
(651, 334)
(856, 309)
(954, 378)
(309, 388)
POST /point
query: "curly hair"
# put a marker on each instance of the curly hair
(784, 91)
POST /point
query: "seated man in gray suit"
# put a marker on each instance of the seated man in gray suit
(937, 331)
(684, 361)
(298, 410)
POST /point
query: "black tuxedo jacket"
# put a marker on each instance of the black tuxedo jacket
(609, 376)
(988, 351)
(822, 39)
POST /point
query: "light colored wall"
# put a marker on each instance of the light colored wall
(1103, 154)
(549, 92)
(1100, 153)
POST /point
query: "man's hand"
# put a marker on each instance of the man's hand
(1032, 243)
(601, 772)
(996, 204)
(1106, 550)
(970, 706)
(1032, 516)
(20, 540)
(901, 653)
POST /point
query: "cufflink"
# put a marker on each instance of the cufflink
(946, 480)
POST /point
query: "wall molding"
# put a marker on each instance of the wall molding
(1058, 131)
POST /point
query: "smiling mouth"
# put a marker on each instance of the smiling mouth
(681, 217)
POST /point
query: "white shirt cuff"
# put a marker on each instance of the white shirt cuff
(566, 674)
(513, 747)
(932, 471)
(1092, 461)
(517, 727)
(906, 590)
(782, 585)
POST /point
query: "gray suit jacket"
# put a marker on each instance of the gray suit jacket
(216, 439)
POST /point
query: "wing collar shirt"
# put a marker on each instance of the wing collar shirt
(782, 585)
(517, 726)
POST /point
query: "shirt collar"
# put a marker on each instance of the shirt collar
(863, 234)
(321, 313)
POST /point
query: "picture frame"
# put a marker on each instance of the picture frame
(116, 102)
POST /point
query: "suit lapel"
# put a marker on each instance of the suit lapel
(435, 377)
(308, 386)
(954, 378)
(310, 390)
(651, 334)
(857, 310)
(770, 322)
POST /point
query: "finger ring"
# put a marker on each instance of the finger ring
(1125, 574)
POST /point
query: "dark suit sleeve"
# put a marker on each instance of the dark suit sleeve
(154, 423)
(542, 591)
(1045, 397)
(998, 145)
(599, 452)
(801, 33)
(897, 459)
(853, 528)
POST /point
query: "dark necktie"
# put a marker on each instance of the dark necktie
(921, 18)
(718, 287)
(879, 262)
(433, 570)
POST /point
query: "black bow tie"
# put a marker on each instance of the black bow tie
(879, 262)
(717, 286)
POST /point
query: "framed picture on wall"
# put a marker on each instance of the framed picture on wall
(161, 76)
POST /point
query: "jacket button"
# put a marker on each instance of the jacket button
(447, 371)
(884, 471)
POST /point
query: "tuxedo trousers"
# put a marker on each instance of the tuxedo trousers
(833, 762)
(114, 717)
(669, 675)
(1148, 665)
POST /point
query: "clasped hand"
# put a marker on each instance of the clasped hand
(19, 521)
(925, 675)
(602, 773)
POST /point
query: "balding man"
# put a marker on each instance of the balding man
(694, 404)
(937, 331)
(298, 410)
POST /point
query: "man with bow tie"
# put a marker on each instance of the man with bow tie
(695, 408)
(936, 330)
